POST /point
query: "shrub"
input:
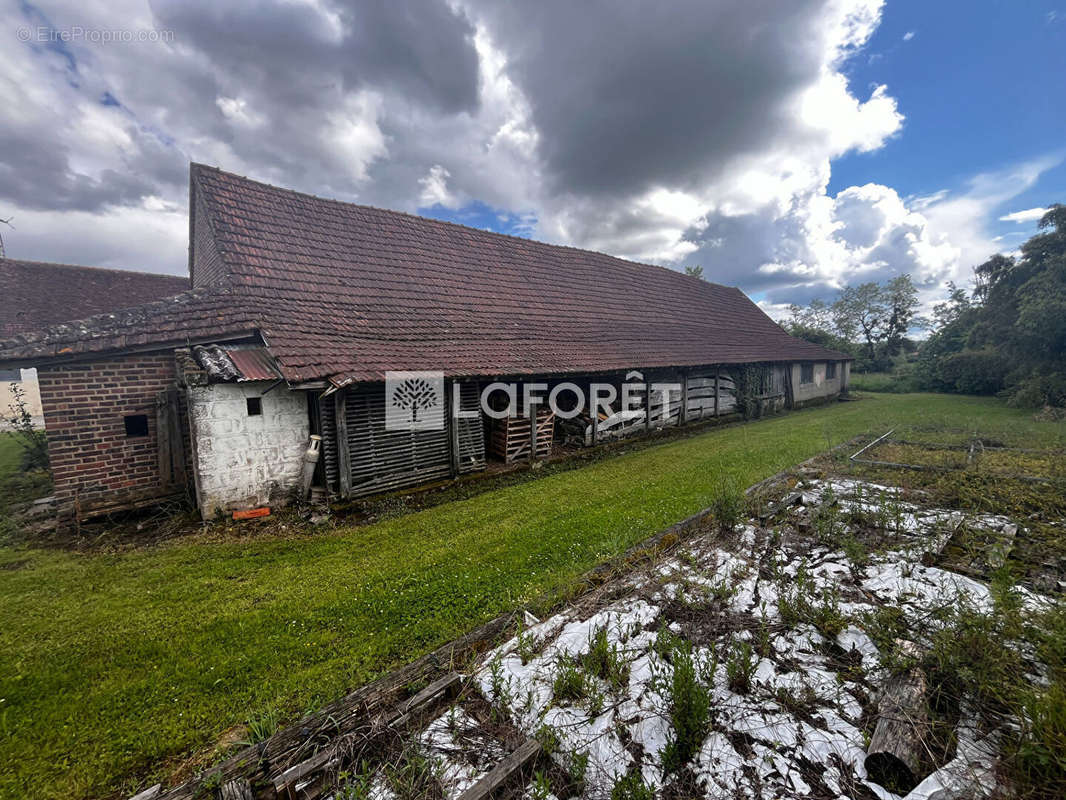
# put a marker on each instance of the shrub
(974, 371)
(1038, 391)
(604, 660)
(631, 786)
(740, 667)
(33, 440)
(727, 506)
(690, 708)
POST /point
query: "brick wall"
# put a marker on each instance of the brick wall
(94, 462)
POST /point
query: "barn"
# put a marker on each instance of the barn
(314, 320)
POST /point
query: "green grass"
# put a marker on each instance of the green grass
(10, 456)
(114, 666)
(873, 382)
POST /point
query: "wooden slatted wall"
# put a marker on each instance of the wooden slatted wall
(471, 432)
(382, 460)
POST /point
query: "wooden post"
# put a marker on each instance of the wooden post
(716, 373)
(595, 418)
(454, 394)
(531, 410)
(647, 406)
(683, 416)
(344, 466)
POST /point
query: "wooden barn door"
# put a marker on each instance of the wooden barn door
(169, 439)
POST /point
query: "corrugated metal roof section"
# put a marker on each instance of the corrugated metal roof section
(237, 363)
(254, 363)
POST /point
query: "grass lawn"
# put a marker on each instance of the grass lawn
(113, 666)
(873, 382)
(10, 455)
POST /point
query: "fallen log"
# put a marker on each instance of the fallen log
(896, 757)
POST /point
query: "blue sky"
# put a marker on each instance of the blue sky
(982, 86)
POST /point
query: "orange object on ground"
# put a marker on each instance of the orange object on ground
(252, 513)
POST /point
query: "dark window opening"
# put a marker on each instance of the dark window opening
(255, 406)
(806, 373)
(136, 424)
(831, 370)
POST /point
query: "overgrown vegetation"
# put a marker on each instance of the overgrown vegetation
(1007, 336)
(161, 649)
(689, 704)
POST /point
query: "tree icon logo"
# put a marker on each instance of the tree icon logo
(415, 394)
(414, 401)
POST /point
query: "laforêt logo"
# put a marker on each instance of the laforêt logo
(414, 401)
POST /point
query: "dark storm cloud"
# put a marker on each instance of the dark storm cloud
(35, 173)
(630, 94)
(421, 49)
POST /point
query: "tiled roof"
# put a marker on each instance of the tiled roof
(347, 292)
(37, 294)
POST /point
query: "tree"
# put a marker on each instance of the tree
(864, 308)
(695, 271)
(1011, 334)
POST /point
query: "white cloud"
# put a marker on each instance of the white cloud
(908, 36)
(435, 189)
(1028, 215)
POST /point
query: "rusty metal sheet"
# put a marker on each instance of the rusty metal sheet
(253, 364)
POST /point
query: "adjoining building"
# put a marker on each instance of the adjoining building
(37, 294)
(299, 307)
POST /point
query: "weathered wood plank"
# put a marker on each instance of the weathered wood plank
(503, 772)
(238, 789)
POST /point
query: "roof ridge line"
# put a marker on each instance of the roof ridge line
(195, 166)
(116, 270)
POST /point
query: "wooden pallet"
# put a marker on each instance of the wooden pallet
(510, 439)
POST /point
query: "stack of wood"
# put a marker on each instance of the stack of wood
(512, 438)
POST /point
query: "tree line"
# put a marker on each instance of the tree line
(1007, 336)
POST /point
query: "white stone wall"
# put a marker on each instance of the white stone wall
(244, 461)
(33, 397)
(821, 386)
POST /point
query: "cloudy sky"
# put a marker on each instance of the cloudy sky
(787, 147)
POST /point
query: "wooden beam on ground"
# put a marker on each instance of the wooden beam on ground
(503, 772)
(238, 789)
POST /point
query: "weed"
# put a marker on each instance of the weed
(689, 701)
(261, 728)
(631, 786)
(727, 507)
(740, 666)
(604, 660)
(573, 685)
(501, 689)
(826, 614)
(527, 644)
(857, 555)
(541, 788)
(356, 786)
(799, 705)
